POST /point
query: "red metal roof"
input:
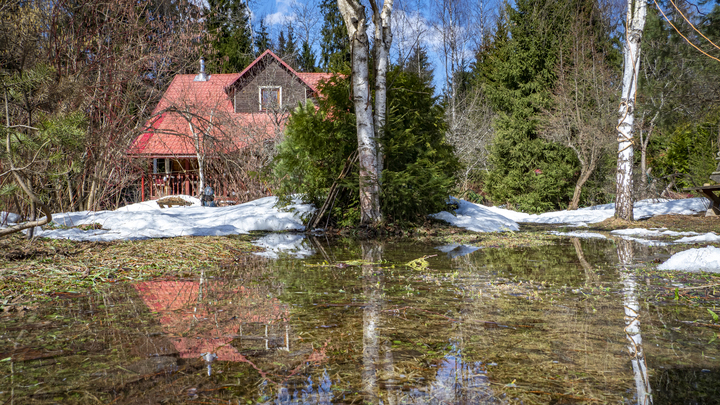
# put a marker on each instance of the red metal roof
(206, 106)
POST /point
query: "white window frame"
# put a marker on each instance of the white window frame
(167, 165)
(260, 101)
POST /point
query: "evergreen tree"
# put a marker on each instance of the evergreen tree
(419, 63)
(306, 60)
(335, 46)
(229, 24)
(290, 53)
(281, 42)
(262, 38)
(319, 141)
(517, 73)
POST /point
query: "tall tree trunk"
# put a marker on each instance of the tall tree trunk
(354, 15)
(584, 176)
(635, 23)
(383, 40)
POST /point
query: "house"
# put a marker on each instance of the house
(203, 119)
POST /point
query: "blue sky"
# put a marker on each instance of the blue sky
(415, 21)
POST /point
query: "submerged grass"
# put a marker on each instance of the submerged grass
(34, 269)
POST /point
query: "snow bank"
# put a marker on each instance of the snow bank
(586, 235)
(642, 210)
(703, 259)
(646, 242)
(146, 220)
(8, 218)
(709, 237)
(651, 232)
(476, 218)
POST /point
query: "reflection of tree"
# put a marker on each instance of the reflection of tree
(590, 276)
(373, 282)
(632, 323)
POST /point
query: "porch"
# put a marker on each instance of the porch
(180, 176)
(162, 185)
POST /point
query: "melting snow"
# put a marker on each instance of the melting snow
(703, 259)
(587, 235)
(147, 220)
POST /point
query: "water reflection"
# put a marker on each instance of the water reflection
(632, 323)
(373, 284)
(590, 275)
(206, 317)
(354, 324)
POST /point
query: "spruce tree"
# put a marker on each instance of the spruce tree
(335, 48)
(306, 60)
(281, 41)
(228, 23)
(262, 38)
(290, 53)
(419, 63)
(517, 73)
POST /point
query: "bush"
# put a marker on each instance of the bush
(419, 163)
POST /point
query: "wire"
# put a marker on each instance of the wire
(684, 37)
(691, 24)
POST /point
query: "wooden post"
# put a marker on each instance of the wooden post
(142, 188)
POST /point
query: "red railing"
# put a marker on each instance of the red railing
(162, 185)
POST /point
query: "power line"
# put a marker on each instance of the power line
(683, 36)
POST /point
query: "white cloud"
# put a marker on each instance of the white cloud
(279, 18)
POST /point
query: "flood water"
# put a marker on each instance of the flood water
(352, 323)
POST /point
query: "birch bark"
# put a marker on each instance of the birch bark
(636, 13)
(383, 40)
(353, 13)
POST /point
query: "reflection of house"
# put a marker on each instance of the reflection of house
(215, 318)
(207, 115)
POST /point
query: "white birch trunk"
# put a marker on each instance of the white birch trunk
(383, 40)
(353, 13)
(200, 158)
(632, 325)
(635, 23)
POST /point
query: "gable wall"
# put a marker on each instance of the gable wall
(293, 91)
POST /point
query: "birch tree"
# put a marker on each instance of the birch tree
(383, 41)
(635, 22)
(353, 13)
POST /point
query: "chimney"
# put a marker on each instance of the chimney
(202, 77)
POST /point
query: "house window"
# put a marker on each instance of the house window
(161, 166)
(270, 97)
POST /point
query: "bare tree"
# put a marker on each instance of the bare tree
(635, 22)
(583, 106)
(306, 21)
(451, 26)
(471, 133)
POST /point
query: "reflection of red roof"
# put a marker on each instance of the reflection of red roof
(192, 329)
(205, 104)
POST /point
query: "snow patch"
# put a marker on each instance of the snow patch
(702, 259)
(147, 220)
(586, 235)
(476, 218)
(642, 210)
(709, 237)
(651, 232)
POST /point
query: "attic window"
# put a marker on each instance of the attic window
(270, 98)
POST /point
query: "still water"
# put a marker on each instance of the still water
(353, 323)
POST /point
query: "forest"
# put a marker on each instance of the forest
(507, 103)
